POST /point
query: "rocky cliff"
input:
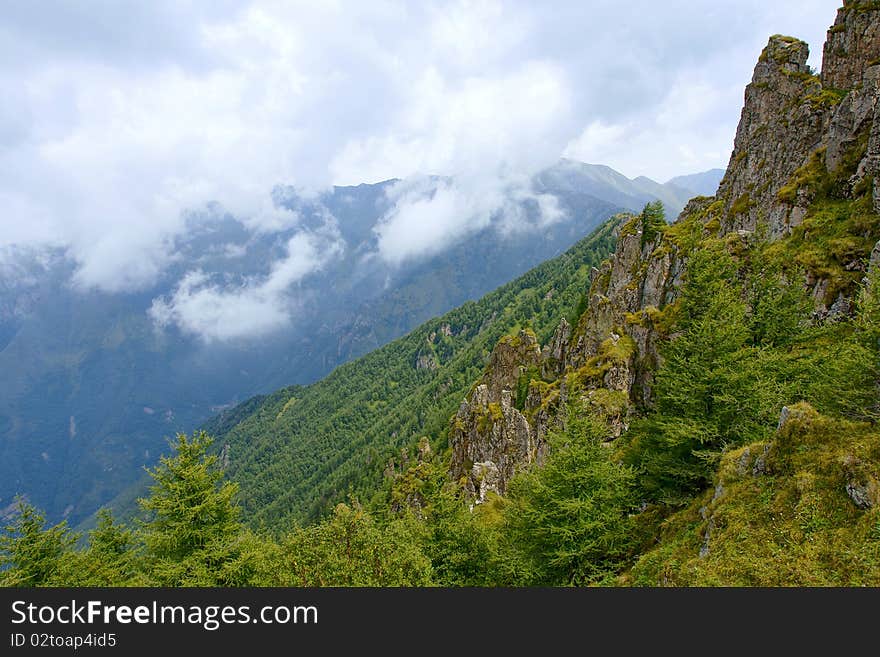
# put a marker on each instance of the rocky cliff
(801, 175)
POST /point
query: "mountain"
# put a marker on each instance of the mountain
(303, 449)
(731, 358)
(728, 363)
(632, 194)
(91, 385)
(684, 404)
(701, 184)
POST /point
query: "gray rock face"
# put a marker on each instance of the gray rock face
(875, 257)
(511, 356)
(490, 438)
(426, 361)
(553, 354)
(778, 130)
(852, 43)
(707, 515)
(490, 442)
(860, 495)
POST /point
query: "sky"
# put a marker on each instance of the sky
(120, 118)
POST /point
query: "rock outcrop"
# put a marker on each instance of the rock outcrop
(792, 116)
(491, 439)
(852, 45)
(798, 131)
(779, 127)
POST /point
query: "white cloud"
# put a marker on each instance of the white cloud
(474, 126)
(428, 215)
(212, 311)
(118, 120)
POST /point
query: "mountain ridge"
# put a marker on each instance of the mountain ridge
(799, 154)
(68, 355)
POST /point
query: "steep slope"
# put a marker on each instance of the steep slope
(90, 386)
(305, 448)
(802, 509)
(802, 167)
(798, 199)
(707, 415)
(800, 149)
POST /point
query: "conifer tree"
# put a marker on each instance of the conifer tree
(112, 557)
(709, 374)
(569, 521)
(194, 520)
(32, 554)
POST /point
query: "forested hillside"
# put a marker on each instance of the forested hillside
(306, 448)
(700, 409)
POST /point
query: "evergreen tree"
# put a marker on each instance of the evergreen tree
(846, 365)
(569, 522)
(32, 554)
(351, 549)
(653, 219)
(112, 556)
(709, 375)
(778, 306)
(194, 521)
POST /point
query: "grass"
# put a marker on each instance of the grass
(791, 524)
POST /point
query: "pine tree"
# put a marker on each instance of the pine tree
(569, 522)
(653, 219)
(111, 558)
(709, 375)
(32, 554)
(194, 519)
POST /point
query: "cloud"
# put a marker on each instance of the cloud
(119, 120)
(219, 311)
(474, 125)
(429, 214)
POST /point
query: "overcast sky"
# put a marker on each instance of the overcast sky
(117, 116)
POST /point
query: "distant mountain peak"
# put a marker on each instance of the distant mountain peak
(610, 185)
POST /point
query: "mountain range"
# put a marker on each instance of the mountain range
(93, 383)
(693, 403)
(723, 370)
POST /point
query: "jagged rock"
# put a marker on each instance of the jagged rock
(861, 487)
(820, 291)
(426, 361)
(742, 464)
(791, 120)
(486, 432)
(842, 307)
(745, 464)
(871, 163)
(784, 417)
(424, 450)
(860, 494)
(638, 276)
(553, 354)
(760, 465)
(485, 477)
(707, 515)
(777, 132)
(511, 356)
(874, 262)
(852, 43)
